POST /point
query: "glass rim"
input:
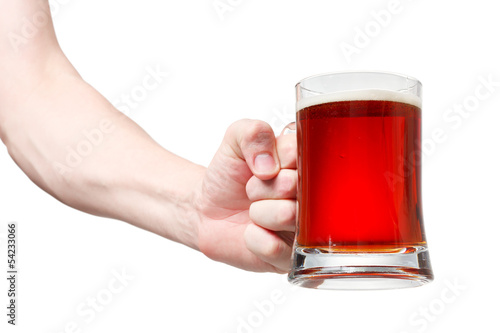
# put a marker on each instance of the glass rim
(408, 77)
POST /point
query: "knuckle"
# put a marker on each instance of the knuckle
(252, 187)
(285, 185)
(273, 250)
(287, 145)
(259, 126)
(290, 147)
(287, 151)
(233, 128)
(286, 213)
(252, 212)
(257, 212)
(257, 132)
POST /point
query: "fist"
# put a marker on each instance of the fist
(247, 201)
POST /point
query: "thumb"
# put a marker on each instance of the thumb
(254, 142)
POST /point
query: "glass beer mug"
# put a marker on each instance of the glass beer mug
(359, 221)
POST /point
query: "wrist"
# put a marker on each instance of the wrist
(189, 219)
(170, 191)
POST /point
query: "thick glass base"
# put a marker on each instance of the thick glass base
(349, 270)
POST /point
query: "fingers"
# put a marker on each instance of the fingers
(283, 186)
(273, 209)
(277, 215)
(272, 189)
(268, 247)
(287, 151)
(285, 183)
(254, 142)
(273, 201)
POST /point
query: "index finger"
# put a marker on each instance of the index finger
(286, 145)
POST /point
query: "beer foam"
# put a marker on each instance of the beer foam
(360, 95)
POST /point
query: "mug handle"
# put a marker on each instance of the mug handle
(289, 129)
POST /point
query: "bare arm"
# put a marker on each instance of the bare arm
(77, 147)
(48, 114)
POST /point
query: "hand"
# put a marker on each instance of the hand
(247, 200)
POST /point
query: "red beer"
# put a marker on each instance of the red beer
(359, 177)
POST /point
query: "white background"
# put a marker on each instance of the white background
(244, 64)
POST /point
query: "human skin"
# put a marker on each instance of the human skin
(240, 210)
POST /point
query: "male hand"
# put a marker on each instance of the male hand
(247, 201)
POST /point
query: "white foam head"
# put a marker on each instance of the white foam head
(360, 95)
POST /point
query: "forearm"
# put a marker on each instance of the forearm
(76, 146)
